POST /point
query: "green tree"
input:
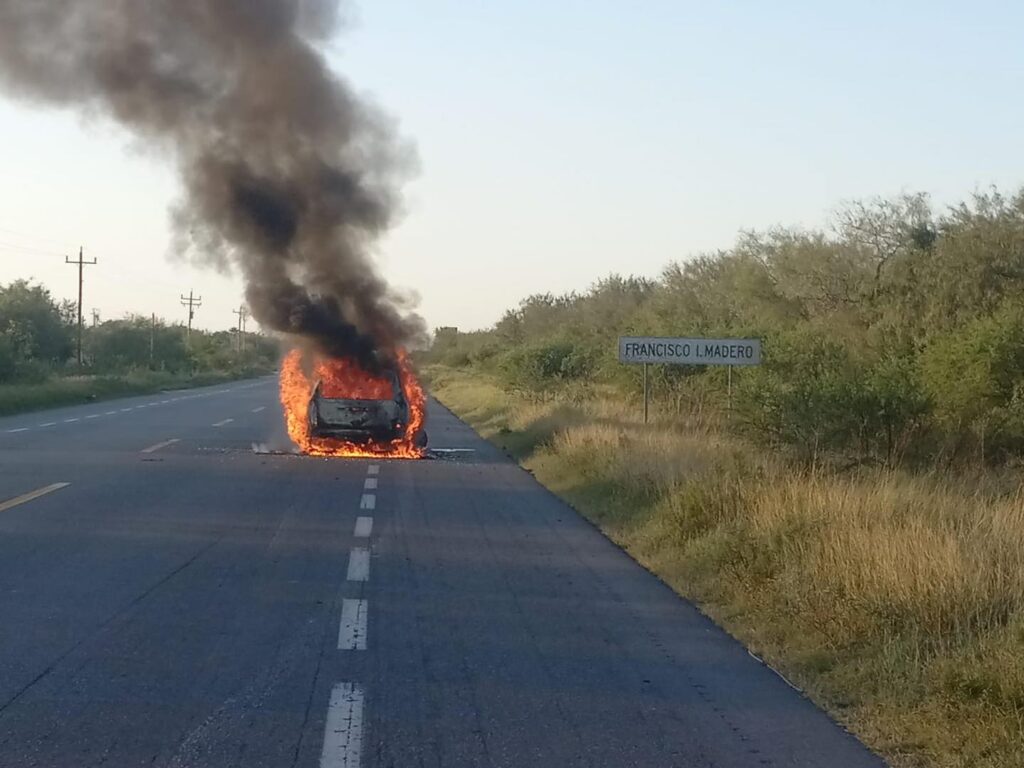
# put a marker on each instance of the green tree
(31, 323)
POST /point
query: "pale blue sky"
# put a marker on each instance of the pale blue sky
(559, 142)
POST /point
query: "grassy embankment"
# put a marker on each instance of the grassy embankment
(895, 601)
(73, 390)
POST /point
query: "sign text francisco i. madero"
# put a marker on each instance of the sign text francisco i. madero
(641, 349)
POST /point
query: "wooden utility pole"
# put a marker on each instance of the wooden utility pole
(82, 264)
(192, 302)
(152, 339)
(243, 315)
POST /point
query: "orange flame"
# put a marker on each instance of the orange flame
(346, 379)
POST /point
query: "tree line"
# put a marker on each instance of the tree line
(38, 342)
(895, 334)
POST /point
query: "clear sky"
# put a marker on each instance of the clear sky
(561, 141)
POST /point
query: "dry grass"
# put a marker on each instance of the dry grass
(897, 601)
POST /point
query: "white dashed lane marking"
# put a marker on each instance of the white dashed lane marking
(343, 734)
(94, 416)
(352, 630)
(359, 564)
(160, 446)
(31, 496)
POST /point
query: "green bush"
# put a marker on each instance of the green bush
(975, 375)
(894, 408)
(808, 394)
(8, 363)
(32, 372)
(811, 394)
(542, 366)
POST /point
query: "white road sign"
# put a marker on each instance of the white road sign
(641, 349)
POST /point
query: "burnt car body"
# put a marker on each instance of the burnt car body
(361, 421)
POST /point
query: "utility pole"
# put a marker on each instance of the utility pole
(152, 340)
(82, 264)
(192, 302)
(243, 315)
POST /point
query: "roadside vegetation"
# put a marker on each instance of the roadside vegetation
(134, 355)
(855, 513)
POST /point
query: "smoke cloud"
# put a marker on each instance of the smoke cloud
(287, 174)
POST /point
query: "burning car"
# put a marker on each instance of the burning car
(334, 407)
(360, 420)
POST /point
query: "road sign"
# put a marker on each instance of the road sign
(644, 349)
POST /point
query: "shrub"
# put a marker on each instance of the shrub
(807, 394)
(7, 359)
(975, 376)
(540, 367)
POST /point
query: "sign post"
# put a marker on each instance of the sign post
(730, 393)
(686, 351)
(646, 393)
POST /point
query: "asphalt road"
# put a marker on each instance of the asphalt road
(194, 603)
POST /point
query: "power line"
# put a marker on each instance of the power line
(31, 251)
(82, 264)
(33, 235)
(33, 239)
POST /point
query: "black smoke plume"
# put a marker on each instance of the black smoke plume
(286, 173)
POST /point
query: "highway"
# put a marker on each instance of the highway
(169, 597)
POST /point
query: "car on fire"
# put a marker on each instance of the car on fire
(361, 421)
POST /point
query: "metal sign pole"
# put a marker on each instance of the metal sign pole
(730, 394)
(646, 395)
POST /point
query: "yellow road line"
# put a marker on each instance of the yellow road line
(31, 496)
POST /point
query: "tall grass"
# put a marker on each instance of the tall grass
(897, 601)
